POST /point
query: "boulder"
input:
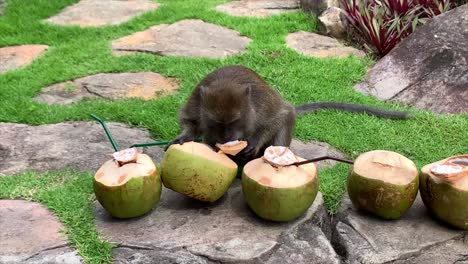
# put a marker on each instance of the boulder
(183, 230)
(333, 22)
(428, 69)
(317, 7)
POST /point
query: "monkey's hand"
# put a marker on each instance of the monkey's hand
(251, 151)
(180, 140)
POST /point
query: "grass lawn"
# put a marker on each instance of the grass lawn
(77, 52)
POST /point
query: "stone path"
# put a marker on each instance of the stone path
(428, 69)
(77, 145)
(93, 13)
(183, 230)
(29, 233)
(258, 8)
(14, 57)
(416, 238)
(190, 37)
(315, 45)
(145, 85)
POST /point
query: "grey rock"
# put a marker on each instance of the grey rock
(315, 45)
(183, 230)
(414, 238)
(428, 69)
(2, 7)
(316, 149)
(78, 145)
(93, 13)
(317, 7)
(258, 8)
(29, 233)
(14, 57)
(144, 85)
(333, 22)
(190, 37)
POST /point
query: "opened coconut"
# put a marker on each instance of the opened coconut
(444, 190)
(128, 185)
(275, 191)
(196, 170)
(383, 183)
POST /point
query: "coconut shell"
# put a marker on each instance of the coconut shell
(446, 196)
(383, 183)
(196, 170)
(130, 190)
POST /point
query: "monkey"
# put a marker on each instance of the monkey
(235, 103)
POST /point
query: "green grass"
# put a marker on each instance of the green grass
(76, 52)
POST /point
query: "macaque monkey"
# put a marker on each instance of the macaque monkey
(235, 103)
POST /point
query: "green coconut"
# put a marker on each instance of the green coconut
(383, 183)
(444, 190)
(196, 170)
(128, 188)
(279, 193)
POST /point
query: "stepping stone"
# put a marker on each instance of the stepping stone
(14, 57)
(29, 233)
(315, 149)
(145, 85)
(258, 8)
(183, 230)
(315, 45)
(79, 145)
(190, 37)
(415, 238)
(94, 13)
(428, 69)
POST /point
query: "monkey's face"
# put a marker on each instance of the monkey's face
(223, 114)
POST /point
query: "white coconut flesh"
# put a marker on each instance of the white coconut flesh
(266, 174)
(453, 170)
(387, 166)
(112, 173)
(205, 151)
(232, 147)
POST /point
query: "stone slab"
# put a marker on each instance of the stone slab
(258, 8)
(94, 13)
(190, 37)
(315, 45)
(428, 69)
(29, 233)
(315, 149)
(14, 57)
(144, 85)
(415, 238)
(78, 145)
(183, 230)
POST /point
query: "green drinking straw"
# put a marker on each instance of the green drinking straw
(159, 143)
(114, 145)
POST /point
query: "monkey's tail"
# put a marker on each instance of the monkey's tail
(307, 108)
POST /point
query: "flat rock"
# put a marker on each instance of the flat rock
(315, 45)
(190, 37)
(29, 233)
(258, 8)
(183, 230)
(78, 145)
(145, 85)
(14, 57)
(94, 13)
(315, 149)
(428, 69)
(414, 238)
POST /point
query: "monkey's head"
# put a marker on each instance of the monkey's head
(225, 112)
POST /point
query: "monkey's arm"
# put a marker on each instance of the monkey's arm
(307, 108)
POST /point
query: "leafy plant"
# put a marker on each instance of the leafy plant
(381, 24)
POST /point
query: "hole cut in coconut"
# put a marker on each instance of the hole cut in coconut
(232, 147)
(266, 174)
(112, 173)
(453, 170)
(387, 166)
